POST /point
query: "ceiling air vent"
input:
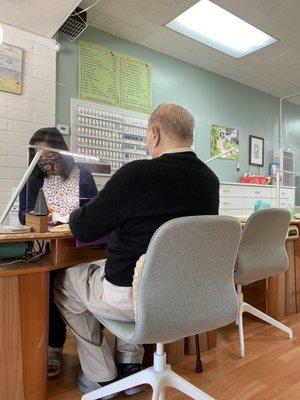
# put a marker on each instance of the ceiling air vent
(74, 25)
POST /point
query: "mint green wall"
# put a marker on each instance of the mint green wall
(210, 97)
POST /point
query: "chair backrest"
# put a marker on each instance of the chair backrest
(262, 250)
(186, 284)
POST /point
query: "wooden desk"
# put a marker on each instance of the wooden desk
(24, 307)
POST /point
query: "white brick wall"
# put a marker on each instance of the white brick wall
(21, 115)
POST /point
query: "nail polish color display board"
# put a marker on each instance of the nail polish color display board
(112, 134)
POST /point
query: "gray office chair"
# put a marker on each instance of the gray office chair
(261, 254)
(186, 287)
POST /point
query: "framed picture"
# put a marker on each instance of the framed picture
(256, 151)
(11, 62)
(223, 139)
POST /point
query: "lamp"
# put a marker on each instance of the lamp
(219, 155)
(31, 168)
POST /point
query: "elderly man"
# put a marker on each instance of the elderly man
(141, 196)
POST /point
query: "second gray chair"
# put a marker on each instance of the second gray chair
(186, 287)
(261, 254)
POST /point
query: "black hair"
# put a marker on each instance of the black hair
(55, 140)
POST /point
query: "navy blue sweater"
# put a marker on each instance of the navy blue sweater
(28, 195)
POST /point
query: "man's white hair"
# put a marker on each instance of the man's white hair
(174, 120)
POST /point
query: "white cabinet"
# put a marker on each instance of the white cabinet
(231, 191)
(286, 193)
(229, 203)
(240, 199)
(257, 191)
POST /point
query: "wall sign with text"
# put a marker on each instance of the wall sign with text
(115, 79)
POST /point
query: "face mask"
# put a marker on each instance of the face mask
(49, 166)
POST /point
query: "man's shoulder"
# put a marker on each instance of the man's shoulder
(211, 174)
(131, 172)
(135, 166)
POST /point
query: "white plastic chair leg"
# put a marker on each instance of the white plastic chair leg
(177, 382)
(158, 381)
(157, 385)
(254, 311)
(131, 381)
(162, 395)
(155, 395)
(159, 377)
(241, 332)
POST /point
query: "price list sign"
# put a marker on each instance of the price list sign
(113, 78)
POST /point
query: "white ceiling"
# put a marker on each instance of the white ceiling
(274, 70)
(36, 16)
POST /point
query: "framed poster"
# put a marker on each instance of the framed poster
(11, 59)
(256, 151)
(224, 139)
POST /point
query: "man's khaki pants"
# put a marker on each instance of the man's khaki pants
(82, 292)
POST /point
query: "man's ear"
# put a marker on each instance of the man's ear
(156, 135)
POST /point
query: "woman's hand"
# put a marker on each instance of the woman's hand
(52, 209)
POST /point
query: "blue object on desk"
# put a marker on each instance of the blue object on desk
(274, 166)
(10, 251)
(261, 205)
